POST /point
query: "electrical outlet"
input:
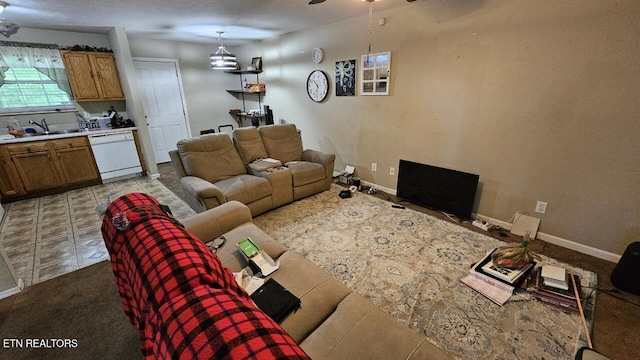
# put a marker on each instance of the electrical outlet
(374, 167)
(392, 171)
(541, 207)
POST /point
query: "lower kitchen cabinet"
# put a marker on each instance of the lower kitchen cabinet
(76, 160)
(10, 183)
(40, 166)
(37, 170)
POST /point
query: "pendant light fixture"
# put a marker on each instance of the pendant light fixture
(369, 29)
(222, 59)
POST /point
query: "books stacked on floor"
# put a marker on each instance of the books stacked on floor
(553, 286)
(495, 283)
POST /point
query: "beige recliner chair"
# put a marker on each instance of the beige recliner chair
(311, 170)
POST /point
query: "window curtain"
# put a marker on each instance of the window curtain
(45, 58)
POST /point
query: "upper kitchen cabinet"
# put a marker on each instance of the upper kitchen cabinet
(93, 75)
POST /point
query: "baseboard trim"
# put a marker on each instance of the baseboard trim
(153, 176)
(556, 240)
(385, 189)
(14, 290)
(552, 239)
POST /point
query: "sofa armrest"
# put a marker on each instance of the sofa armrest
(324, 159)
(176, 160)
(202, 189)
(212, 223)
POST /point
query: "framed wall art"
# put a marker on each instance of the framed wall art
(375, 73)
(346, 78)
(256, 62)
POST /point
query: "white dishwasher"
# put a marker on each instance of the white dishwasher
(116, 154)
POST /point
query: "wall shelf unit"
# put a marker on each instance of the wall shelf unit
(241, 94)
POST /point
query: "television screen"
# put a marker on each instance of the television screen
(439, 188)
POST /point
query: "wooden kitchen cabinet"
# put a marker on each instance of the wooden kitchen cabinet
(40, 166)
(35, 166)
(93, 75)
(75, 160)
(10, 183)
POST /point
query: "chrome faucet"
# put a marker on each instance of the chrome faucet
(43, 125)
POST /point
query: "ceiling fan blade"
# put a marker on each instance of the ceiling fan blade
(312, 2)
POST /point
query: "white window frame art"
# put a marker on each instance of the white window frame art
(375, 74)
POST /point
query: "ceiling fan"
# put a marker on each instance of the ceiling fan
(313, 2)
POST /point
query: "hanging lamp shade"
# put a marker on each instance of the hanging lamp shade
(222, 59)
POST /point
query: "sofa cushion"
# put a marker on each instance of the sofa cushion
(249, 144)
(245, 188)
(211, 157)
(319, 292)
(304, 172)
(360, 330)
(282, 142)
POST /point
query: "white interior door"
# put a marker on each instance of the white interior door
(161, 90)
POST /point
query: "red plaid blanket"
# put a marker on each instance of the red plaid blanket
(180, 299)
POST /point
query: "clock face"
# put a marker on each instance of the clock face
(317, 85)
(317, 55)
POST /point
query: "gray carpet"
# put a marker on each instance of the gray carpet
(82, 306)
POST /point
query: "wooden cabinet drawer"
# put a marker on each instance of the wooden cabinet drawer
(72, 142)
(31, 147)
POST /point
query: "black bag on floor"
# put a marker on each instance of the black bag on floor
(275, 300)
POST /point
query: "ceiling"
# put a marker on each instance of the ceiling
(191, 20)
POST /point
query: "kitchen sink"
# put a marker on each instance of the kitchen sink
(56, 132)
(38, 134)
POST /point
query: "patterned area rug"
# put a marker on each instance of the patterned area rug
(410, 265)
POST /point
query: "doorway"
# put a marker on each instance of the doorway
(160, 85)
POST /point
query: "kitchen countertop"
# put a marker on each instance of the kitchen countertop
(61, 135)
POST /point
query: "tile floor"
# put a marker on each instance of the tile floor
(54, 235)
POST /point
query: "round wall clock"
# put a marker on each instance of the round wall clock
(317, 85)
(317, 55)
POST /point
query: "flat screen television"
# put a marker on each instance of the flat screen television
(442, 189)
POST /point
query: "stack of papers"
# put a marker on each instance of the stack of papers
(494, 293)
(555, 276)
(493, 289)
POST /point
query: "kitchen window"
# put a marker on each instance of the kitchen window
(30, 90)
(32, 79)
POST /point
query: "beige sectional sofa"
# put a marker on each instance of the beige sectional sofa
(333, 322)
(262, 168)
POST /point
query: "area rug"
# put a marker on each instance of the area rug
(410, 265)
